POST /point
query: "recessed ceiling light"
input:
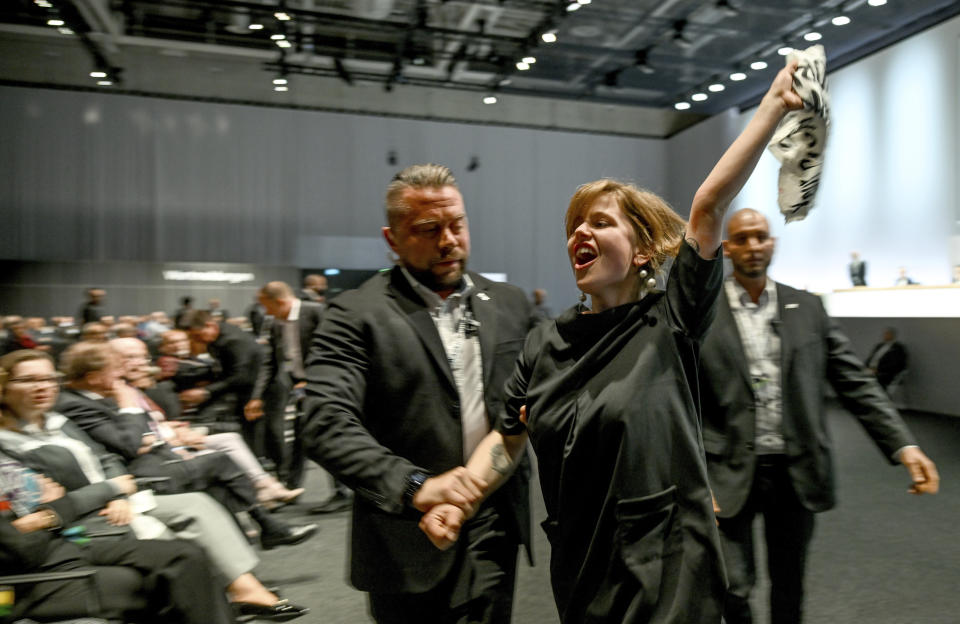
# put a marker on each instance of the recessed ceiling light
(505, 82)
(104, 83)
(529, 60)
(490, 99)
(255, 26)
(278, 37)
(63, 30)
(876, 2)
(716, 88)
(698, 97)
(758, 65)
(281, 88)
(682, 105)
(55, 22)
(584, 1)
(98, 74)
(282, 16)
(840, 20)
(522, 66)
(279, 81)
(785, 50)
(573, 7)
(813, 36)
(284, 43)
(738, 76)
(549, 37)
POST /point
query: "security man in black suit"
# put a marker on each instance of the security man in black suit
(404, 378)
(766, 366)
(282, 373)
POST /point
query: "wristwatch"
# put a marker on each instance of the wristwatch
(414, 482)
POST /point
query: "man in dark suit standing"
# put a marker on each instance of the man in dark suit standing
(766, 365)
(238, 356)
(405, 377)
(888, 359)
(282, 373)
(92, 310)
(858, 270)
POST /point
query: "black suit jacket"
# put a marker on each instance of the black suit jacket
(102, 421)
(239, 357)
(382, 403)
(307, 322)
(858, 273)
(814, 355)
(891, 363)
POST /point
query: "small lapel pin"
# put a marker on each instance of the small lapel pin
(483, 297)
(790, 306)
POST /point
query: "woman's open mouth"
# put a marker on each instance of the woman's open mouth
(583, 256)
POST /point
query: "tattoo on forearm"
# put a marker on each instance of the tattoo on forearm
(499, 459)
(694, 243)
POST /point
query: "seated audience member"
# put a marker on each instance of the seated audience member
(18, 336)
(216, 312)
(115, 415)
(164, 409)
(141, 580)
(94, 332)
(98, 484)
(238, 357)
(125, 330)
(888, 358)
(903, 279)
(92, 310)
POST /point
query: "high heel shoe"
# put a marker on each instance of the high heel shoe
(280, 611)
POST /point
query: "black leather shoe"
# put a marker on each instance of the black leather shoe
(288, 536)
(280, 611)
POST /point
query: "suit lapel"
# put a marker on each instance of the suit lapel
(419, 318)
(485, 312)
(730, 337)
(788, 306)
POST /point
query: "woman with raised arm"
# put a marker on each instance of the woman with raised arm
(608, 398)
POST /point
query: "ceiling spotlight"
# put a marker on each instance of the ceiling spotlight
(55, 22)
(573, 7)
(698, 97)
(840, 20)
(104, 83)
(489, 99)
(716, 88)
(584, 1)
(63, 30)
(813, 36)
(282, 16)
(281, 88)
(876, 2)
(785, 50)
(738, 76)
(283, 43)
(727, 9)
(758, 65)
(505, 82)
(98, 74)
(549, 37)
(279, 81)
(641, 59)
(278, 37)
(523, 66)
(679, 26)
(682, 105)
(529, 60)
(255, 26)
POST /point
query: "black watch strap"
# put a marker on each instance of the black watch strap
(414, 482)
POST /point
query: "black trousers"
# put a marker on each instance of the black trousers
(788, 529)
(478, 590)
(148, 581)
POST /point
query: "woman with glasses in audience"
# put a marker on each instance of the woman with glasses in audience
(99, 486)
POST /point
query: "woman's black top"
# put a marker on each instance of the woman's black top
(613, 416)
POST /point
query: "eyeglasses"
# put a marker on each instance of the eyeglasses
(52, 380)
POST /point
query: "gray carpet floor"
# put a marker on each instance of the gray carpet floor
(882, 556)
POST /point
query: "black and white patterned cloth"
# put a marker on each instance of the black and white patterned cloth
(801, 138)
